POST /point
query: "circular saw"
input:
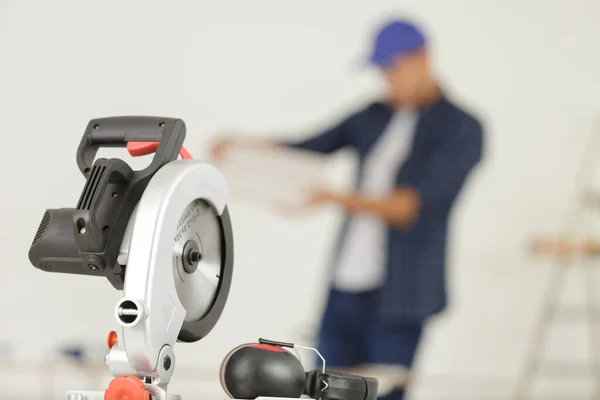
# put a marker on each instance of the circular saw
(162, 235)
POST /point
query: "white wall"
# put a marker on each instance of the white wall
(530, 68)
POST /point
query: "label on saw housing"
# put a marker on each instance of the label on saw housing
(189, 216)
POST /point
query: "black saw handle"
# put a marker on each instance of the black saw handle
(113, 188)
(118, 131)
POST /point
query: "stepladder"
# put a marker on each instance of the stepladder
(564, 350)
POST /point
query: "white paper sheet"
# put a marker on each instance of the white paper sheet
(277, 177)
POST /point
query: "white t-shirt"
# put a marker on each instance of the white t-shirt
(363, 255)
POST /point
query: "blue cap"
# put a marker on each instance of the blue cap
(394, 40)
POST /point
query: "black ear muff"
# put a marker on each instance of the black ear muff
(337, 386)
(267, 369)
(260, 370)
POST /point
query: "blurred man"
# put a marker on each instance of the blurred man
(415, 152)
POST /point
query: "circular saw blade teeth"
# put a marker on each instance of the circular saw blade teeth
(196, 275)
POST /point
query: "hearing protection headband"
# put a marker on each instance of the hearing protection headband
(328, 385)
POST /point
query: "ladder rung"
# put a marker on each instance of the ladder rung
(566, 368)
(575, 312)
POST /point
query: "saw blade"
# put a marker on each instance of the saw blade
(198, 227)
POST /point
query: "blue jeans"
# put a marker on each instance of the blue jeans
(352, 334)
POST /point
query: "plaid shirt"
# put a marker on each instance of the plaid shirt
(447, 145)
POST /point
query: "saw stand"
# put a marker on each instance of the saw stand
(150, 386)
(162, 235)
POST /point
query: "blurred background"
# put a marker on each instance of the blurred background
(530, 69)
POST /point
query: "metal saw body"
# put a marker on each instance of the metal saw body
(182, 201)
(162, 235)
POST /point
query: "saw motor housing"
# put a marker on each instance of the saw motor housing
(87, 239)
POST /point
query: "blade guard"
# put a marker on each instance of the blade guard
(149, 286)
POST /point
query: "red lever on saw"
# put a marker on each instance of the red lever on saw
(137, 149)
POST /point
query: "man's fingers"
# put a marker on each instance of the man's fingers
(219, 148)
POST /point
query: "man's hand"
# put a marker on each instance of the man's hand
(321, 197)
(219, 148)
(400, 208)
(403, 206)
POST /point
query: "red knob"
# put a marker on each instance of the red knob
(126, 388)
